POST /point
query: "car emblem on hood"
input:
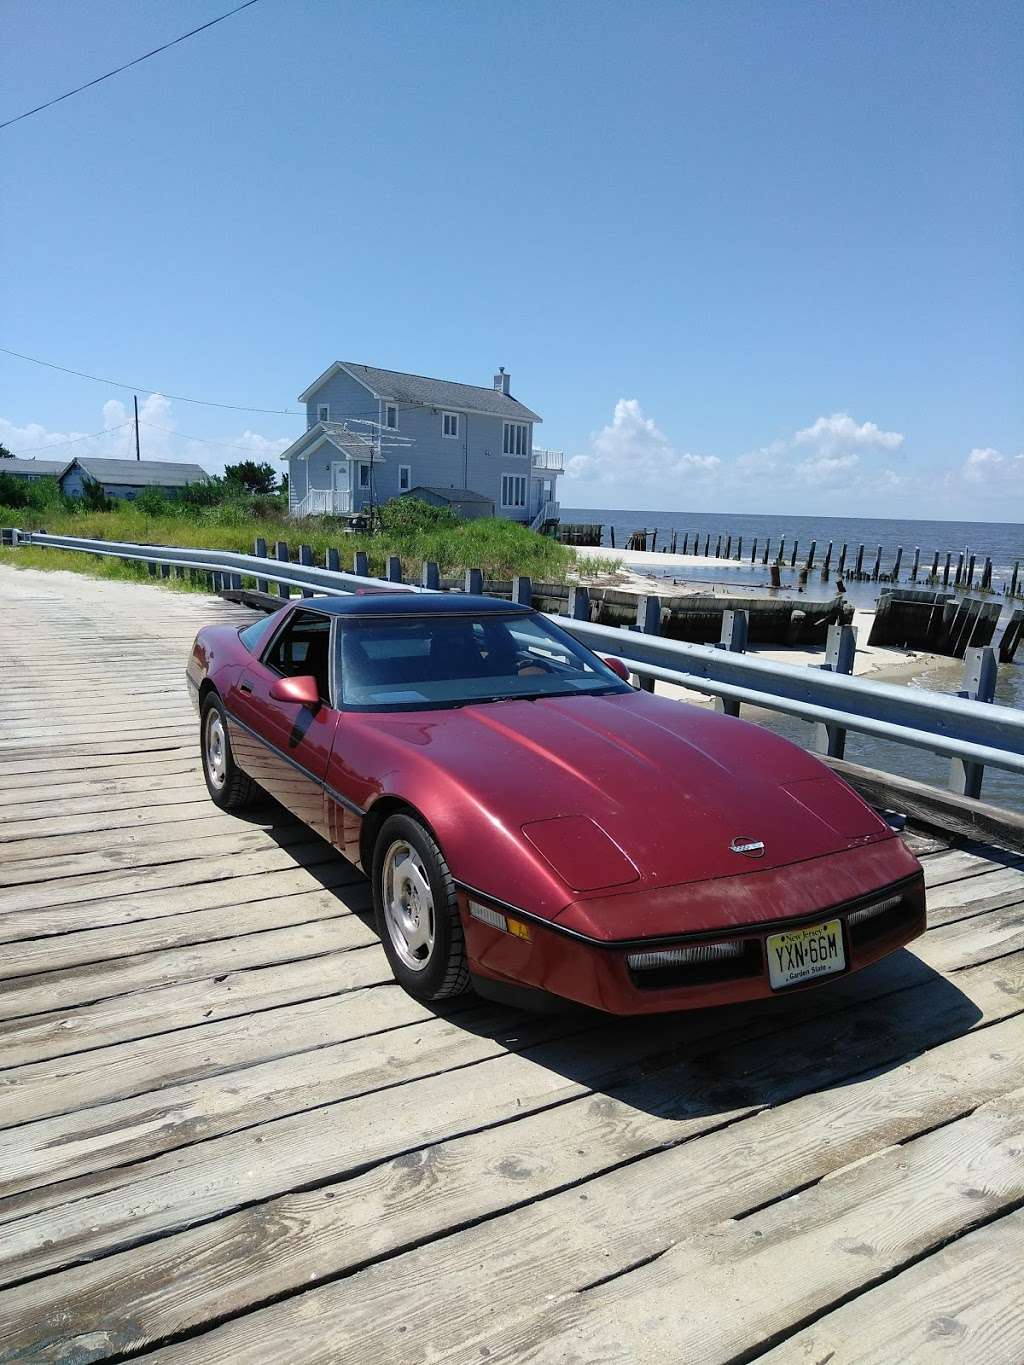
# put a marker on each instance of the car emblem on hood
(752, 848)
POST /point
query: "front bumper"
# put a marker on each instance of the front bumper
(598, 974)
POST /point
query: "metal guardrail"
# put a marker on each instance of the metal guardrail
(972, 733)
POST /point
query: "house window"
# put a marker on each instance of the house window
(517, 438)
(513, 490)
(450, 424)
(323, 413)
(364, 476)
(391, 416)
(404, 478)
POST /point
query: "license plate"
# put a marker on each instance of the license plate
(802, 954)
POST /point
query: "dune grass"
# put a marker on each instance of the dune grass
(500, 548)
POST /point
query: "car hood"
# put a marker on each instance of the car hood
(631, 790)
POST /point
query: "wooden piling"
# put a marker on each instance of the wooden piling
(959, 570)
(810, 555)
(782, 550)
(945, 572)
(672, 549)
(753, 553)
(914, 567)
(611, 532)
(878, 565)
(767, 548)
(970, 574)
(1014, 578)
(841, 567)
(707, 544)
(728, 547)
(858, 571)
(686, 542)
(739, 548)
(986, 575)
(896, 564)
(796, 546)
(828, 561)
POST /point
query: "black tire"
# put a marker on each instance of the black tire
(231, 789)
(444, 971)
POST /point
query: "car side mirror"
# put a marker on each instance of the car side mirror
(616, 666)
(301, 691)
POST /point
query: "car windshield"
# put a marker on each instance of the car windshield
(408, 663)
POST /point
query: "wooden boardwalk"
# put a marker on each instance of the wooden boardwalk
(226, 1136)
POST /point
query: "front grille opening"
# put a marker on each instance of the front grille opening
(876, 921)
(696, 965)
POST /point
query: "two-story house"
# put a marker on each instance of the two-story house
(372, 435)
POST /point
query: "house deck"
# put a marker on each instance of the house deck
(225, 1135)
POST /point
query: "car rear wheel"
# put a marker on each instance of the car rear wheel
(417, 911)
(228, 786)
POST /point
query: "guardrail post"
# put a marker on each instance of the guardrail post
(281, 554)
(152, 568)
(522, 589)
(840, 650)
(333, 560)
(474, 582)
(306, 558)
(648, 622)
(361, 564)
(394, 569)
(431, 577)
(259, 548)
(579, 604)
(734, 638)
(980, 673)
(165, 571)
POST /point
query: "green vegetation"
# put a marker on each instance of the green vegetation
(224, 515)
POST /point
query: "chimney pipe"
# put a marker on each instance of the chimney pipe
(502, 380)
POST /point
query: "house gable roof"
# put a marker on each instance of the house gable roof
(419, 390)
(38, 467)
(139, 473)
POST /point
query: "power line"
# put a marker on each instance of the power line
(205, 440)
(134, 62)
(90, 436)
(141, 388)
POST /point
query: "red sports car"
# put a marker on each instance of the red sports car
(528, 818)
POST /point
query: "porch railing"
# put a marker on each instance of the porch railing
(335, 502)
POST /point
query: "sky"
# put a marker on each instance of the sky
(742, 255)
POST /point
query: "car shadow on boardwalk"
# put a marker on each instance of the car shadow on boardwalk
(712, 1061)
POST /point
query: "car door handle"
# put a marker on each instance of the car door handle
(244, 687)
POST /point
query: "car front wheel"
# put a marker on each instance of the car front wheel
(417, 911)
(228, 786)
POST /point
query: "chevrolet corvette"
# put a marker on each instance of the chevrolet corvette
(528, 819)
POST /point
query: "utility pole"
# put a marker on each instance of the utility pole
(137, 454)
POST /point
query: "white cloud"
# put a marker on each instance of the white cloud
(833, 470)
(987, 466)
(159, 437)
(633, 450)
(841, 433)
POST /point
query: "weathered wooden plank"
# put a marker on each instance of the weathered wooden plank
(100, 818)
(88, 788)
(805, 1254)
(144, 848)
(101, 885)
(63, 990)
(131, 1299)
(112, 1209)
(123, 1018)
(240, 892)
(120, 1071)
(70, 950)
(961, 864)
(963, 1303)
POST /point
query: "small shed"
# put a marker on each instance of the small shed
(128, 478)
(32, 469)
(463, 501)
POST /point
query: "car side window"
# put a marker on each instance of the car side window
(303, 647)
(254, 636)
